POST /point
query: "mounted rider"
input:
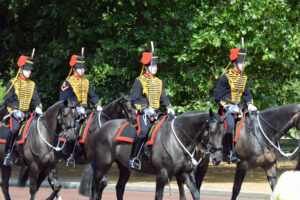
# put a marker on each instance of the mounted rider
(231, 88)
(21, 93)
(147, 94)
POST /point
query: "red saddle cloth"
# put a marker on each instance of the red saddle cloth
(25, 127)
(128, 131)
(83, 130)
(239, 126)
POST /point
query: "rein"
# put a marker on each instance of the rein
(272, 127)
(57, 148)
(194, 161)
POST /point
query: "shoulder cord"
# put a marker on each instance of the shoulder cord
(277, 148)
(57, 148)
(194, 161)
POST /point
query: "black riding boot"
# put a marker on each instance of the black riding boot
(134, 161)
(8, 149)
(231, 157)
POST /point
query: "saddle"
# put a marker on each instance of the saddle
(23, 132)
(128, 131)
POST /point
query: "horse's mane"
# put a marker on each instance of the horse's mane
(283, 108)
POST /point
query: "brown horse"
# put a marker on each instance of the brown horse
(39, 149)
(257, 144)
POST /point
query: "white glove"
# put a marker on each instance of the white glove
(233, 109)
(99, 108)
(171, 111)
(149, 111)
(251, 107)
(38, 110)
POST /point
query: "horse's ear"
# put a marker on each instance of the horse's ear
(123, 96)
(211, 113)
(66, 102)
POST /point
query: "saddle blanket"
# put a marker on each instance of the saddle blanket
(239, 126)
(25, 127)
(128, 131)
(83, 130)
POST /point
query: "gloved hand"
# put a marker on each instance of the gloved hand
(251, 107)
(99, 108)
(149, 111)
(38, 110)
(170, 111)
(233, 109)
(19, 115)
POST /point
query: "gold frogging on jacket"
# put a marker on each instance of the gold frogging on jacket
(156, 90)
(24, 90)
(234, 82)
(80, 87)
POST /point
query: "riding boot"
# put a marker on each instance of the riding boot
(231, 157)
(134, 161)
(8, 149)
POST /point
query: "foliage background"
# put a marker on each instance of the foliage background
(193, 40)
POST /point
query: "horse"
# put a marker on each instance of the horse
(169, 155)
(119, 108)
(39, 149)
(258, 143)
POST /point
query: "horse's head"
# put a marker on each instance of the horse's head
(67, 119)
(214, 135)
(126, 106)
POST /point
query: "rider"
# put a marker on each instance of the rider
(77, 88)
(146, 96)
(231, 88)
(21, 92)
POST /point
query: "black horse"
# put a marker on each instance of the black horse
(257, 144)
(119, 108)
(39, 150)
(169, 155)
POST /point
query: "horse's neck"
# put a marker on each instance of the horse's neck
(111, 111)
(49, 120)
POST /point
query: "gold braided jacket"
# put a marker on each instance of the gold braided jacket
(24, 90)
(80, 86)
(156, 90)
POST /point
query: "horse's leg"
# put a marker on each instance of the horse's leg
(55, 184)
(123, 178)
(201, 171)
(34, 174)
(271, 172)
(6, 172)
(180, 182)
(161, 180)
(240, 173)
(191, 183)
(23, 176)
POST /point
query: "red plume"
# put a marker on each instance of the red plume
(146, 57)
(73, 60)
(22, 60)
(234, 54)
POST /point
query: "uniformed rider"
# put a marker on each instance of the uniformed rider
(232, 87)
(78, 88)
(21, 93)
(147, 89)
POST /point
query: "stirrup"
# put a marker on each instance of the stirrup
(71, 161)
(135, 163)
(7, 160)
(232, 158)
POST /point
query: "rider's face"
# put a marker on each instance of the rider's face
(26, 73)
(152, 69)
(241, 66)
(80, 71)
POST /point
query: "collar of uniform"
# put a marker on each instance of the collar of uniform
(76, 76)
(235, 71)
(148, 75)
(22, 78)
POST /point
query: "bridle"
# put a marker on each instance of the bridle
(210, 148)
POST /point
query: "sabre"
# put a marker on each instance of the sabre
(82, 51)
(32, 54)
(152, 49)
(239, 88)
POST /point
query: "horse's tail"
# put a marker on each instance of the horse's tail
(86, 181)
(23, 176)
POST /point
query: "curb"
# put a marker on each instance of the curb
(173, 190)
